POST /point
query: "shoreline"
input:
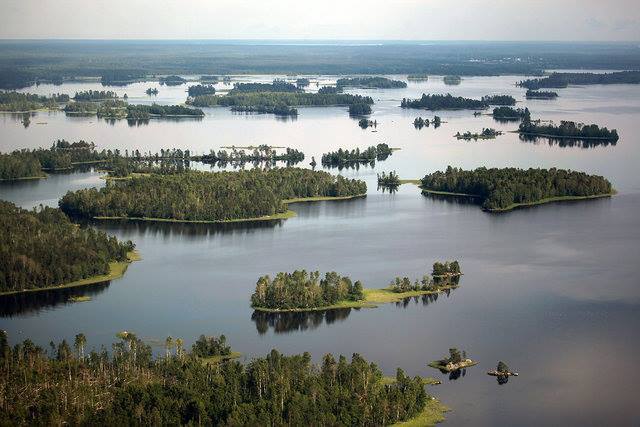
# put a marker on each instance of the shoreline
(116, 271)
(372, 299)
(548, 135)
(24, 178)
(515, 206)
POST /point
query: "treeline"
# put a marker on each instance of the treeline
(562, 80)
(302, 82)
(207, 196)
(341, 157)
(370, 82)
(278, 110)
(20, 165)
(509, 113)
(145, 112)
(499, 100)
(94, 95)
(452, 80)
(210, 346)
(275, 86)
(568, 129)
(419, 122)
(303, 290)
(502, 188)
(261, 154)
(127, 386)
(120, 77)
(540, 94)
(290, 99)
(17, 101)
(199, 90)
(42, 248)
(443, 102)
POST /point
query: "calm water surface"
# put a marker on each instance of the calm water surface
(553, 291)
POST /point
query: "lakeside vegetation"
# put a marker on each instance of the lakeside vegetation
(172, 80)
(452, 80)
(94, 95)
(418, 77)
(119, 109)
(366, 123)
(562, 80)
(359, 109)
(507, 100)
(344, 157)
(43, 249)
(259, 154)
(419, 122)
(277, 110)
(128, 386)
(23, 102)
(388, 180)
(370, 83)
(508, 188)
(208, 196)
(507, 114)
(540, 94)
(443, 102)
(567, 129)
(275, 86)
(201, 89)
(487, 133)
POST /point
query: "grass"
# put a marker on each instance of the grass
(372, 298)
(432, 414)
(116, 270)
(437, 364)
(213, 360)
(82, 298)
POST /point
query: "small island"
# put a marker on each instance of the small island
(345, 157)
(366, 123)
(443, 102)
(388, 180)
(507, 114)
(43, 250)
(507, 100)
(567, 130)
(172, 80)
(418, 77)
(152, 91)
(201, 89)
(540, 94)
(454, 362)
(306, 291)
(562, 80)
(370, 83)
(452, 80)
(94, 95)
(259, 154)
(502, 370)
(18, 102)
(487, 133)
(505, 189)
(419, 122)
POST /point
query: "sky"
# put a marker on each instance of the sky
(561, 20)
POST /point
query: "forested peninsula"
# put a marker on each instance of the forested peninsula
(443, 102)
(194, 196)
(562, 80)
(128, 386)
(42, 249)
(308, 291)
(508, 188)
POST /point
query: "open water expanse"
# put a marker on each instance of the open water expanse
(554, 291)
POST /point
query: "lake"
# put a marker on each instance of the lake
(552, 290)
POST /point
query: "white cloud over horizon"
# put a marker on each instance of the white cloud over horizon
(568, 20)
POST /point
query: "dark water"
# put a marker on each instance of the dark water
(552, 291)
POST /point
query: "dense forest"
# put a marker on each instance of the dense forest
(94, 95)
(371, 154)
(16, 101)
(499, 100)
(207, 196)
(144, 112)
(275, 86)
(42, 248)
(127, 386)
(304, 290)
(199, 90)
(562, 80)
(370, 82)
(502, 188)
(359, 109)
(443, 102)
(568, 129)
(272, 99)
(540, 94)
(20, 165)
(510, 113)
(172, 80)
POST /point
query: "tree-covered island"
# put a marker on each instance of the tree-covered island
(455, 361)
(541, 94)
(370, 83)
(567, 130)
(443, 102)
(309, 291)
(562, 80)
(452, 80)
(345, 157)
(41, 249)
(507, 100)
(419, 122)
(69, 384)
(94, 95)
(507, 114)
(201, 89)
(487, 133)
(172, 80)
(389, 180)
(17, 102)
(193, 196)
(500, 190)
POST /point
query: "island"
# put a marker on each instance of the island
(487, 133)
(152, 91)
(389, 180)
(178, 386)
(567, 130)
(540, 94)
(502, 370)
(505, 189)
(507, 114)
(302, 291)
(359, 109)
(209, 197)
(419, 77)
(277, 110)
(345, 157)
(199, 90)
(259, 154)
(43, 250)
(370, 83)
(454, 362)
(94, 95)
(172, 80)
(18, 102)
(443, 102)
(452, 80)
(119, 109)
(302, 82)
(562, 80)
(507, 100)
(366, 123)
(419, 122)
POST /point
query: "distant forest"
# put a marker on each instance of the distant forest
(370, 82)
(120, 62)
(562, 80)
(443, 102)
(42, 248)
(502, 188)
(207, 196)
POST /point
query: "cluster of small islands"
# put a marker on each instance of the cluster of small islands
(52, 248)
